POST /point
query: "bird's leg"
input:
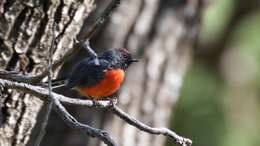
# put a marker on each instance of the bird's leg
(95, 103)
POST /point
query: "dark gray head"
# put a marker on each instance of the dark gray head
(119, 58)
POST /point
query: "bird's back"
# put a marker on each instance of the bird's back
(87, 72)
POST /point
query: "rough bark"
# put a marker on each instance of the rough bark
(162, 34)
(25, 38)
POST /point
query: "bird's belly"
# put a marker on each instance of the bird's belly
(107, 86)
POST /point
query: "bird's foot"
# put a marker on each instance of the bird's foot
(95, 102)
(113, 101)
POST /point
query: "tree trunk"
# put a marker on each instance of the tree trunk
(162, 35)
(25, 38)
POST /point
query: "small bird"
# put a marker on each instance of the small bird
(100, 77)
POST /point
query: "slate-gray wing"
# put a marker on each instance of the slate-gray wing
(87, 73)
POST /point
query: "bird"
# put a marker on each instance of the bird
(99, 77)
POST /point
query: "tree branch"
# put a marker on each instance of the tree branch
(69, 119)
(90, 131)
(49, 103)
(43, 93)
(138, 124)
(44, 123)
(106, 13)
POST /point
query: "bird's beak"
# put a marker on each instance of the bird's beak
(134, 60)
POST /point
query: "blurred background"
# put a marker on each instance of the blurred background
(219, 103)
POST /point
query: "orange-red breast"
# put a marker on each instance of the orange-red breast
(102, 78)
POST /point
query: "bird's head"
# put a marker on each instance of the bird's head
(120, 58)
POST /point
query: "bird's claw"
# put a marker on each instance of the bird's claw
(113, 102)
(95, 102)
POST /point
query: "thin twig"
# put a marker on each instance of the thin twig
(15, 76)
(49, 103)
(44, 123)
(90, 131)
(138, 124)
(36, 79)
(86, 45)
(106, 13)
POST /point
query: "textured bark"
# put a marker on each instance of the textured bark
(162, 34)
(25, 38)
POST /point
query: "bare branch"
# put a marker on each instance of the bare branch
(106, 13)
(49, 103)
(36, 79)
(14, 76)
(44, 123)
(86, 45)
(90, 131)
(70, 120)
(138, 124)
(43, 93)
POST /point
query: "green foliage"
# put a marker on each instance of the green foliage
(217, 15)
(246, 38)
(198, 113)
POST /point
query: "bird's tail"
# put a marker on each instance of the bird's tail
(57, 83)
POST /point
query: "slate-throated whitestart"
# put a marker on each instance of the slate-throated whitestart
(98, 80)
